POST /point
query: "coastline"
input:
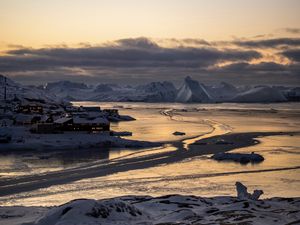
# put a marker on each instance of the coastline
(26, 141)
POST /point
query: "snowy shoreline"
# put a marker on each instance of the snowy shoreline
(23, 140)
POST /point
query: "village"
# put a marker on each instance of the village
(52, 118)
(37, 122)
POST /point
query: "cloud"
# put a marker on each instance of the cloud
(292, 54)
(264, 73)
(125, 53)
(141, 42)
(138, 60)
(190, 41)
(263, 67)
(269, 43)
(292, 30)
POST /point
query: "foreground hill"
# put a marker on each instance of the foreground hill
(165, 210)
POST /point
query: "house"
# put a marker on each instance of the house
(83, 124)
(64, 123)
(92, 125)
(6, 106)
(91, 108)
(6, 122)
(46, 119)
(30, 108)
(25, 119)
(89, 114)
(111, 112)
(45, 128)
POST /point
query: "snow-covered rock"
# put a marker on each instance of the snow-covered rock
(238, 157)
(89, 211)
(243, 194)
(178, 133)
(192, 91)
(170, 209)
(260, 94)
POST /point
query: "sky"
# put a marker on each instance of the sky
(138, 41)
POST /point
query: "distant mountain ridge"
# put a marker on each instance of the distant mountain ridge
(191, 91)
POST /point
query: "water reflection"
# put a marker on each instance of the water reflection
(190, 174)
(33, 162)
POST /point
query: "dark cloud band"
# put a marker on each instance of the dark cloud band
(142, 58)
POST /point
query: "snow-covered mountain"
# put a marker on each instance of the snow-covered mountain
(67, 90)
(14, 89)
(192, 91)
(223, 91)
(152, 92)
(260, 94)
(65, 84)
(158, 91)
(103, 88)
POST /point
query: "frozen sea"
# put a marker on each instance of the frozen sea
(278, 175)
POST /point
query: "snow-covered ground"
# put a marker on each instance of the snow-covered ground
(170, 209)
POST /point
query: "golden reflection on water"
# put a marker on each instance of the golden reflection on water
(199, 175)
